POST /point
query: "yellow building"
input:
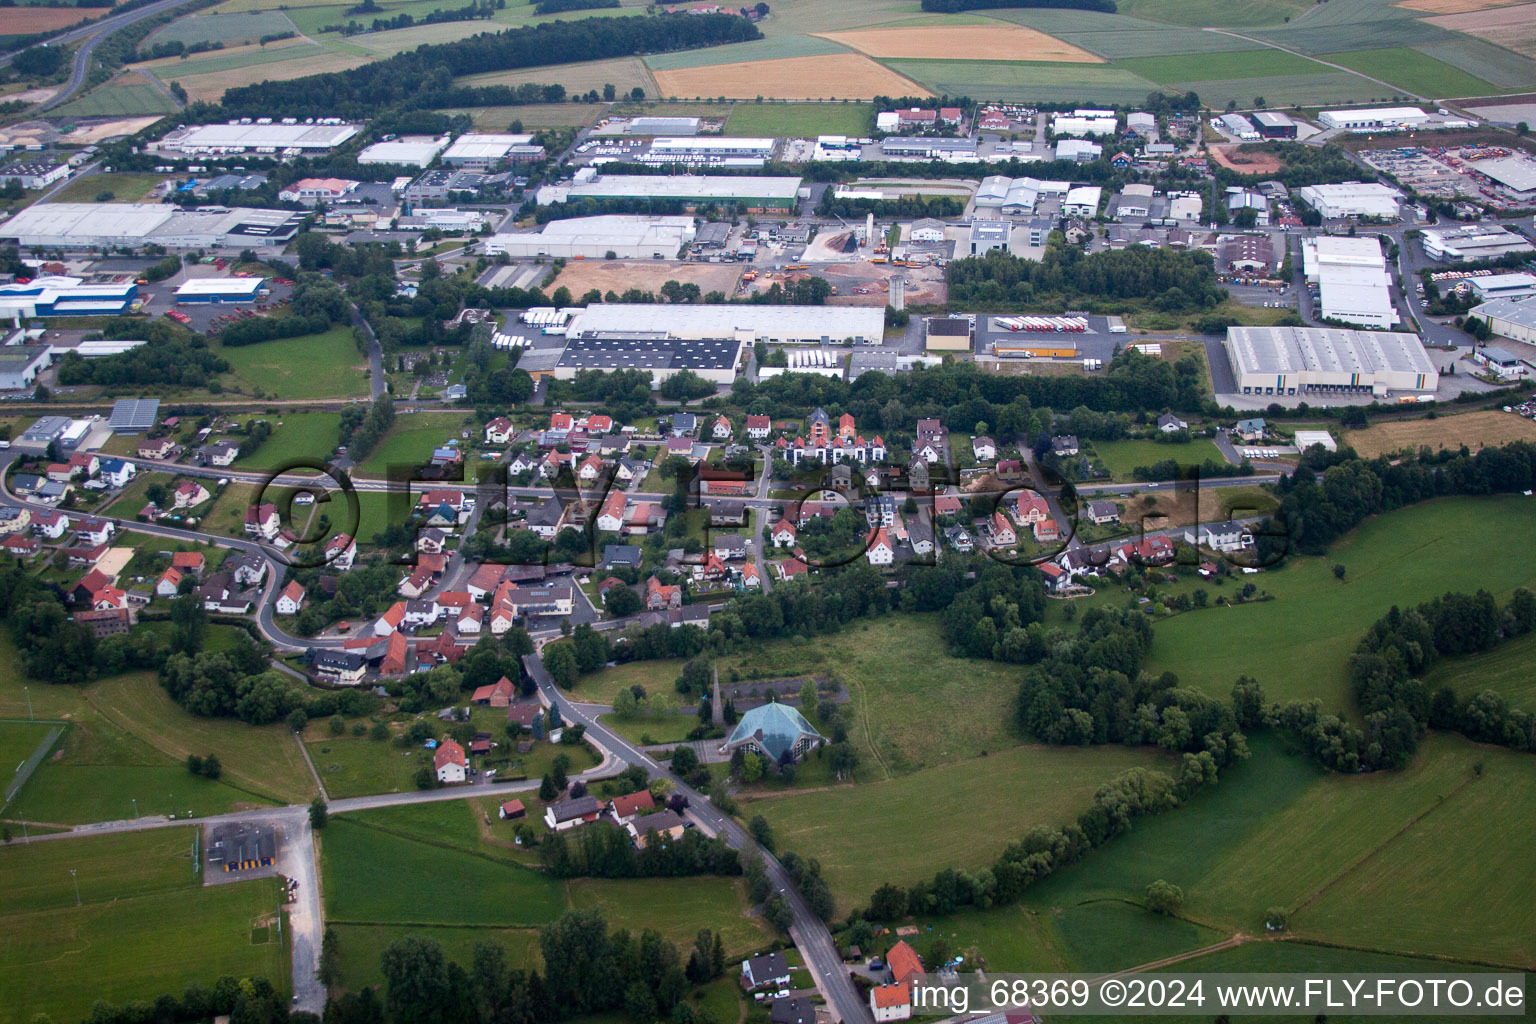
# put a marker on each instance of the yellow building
(1039, 347)
(949, 334)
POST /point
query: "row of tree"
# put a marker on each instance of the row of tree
(605, 850)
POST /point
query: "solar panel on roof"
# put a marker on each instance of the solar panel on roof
(134, 413)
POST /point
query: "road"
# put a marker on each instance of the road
(94, 34)
(376, 379)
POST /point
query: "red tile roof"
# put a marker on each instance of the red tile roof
(903, 961)
(624, 806)
(449, 752)
(887, 996)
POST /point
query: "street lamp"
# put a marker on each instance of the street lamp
(28, 691)
(77, 886)
(135, 805)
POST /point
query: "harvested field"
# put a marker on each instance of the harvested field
(838, 76)
(1250, 162)
(775, 48)
(1473, 429)
(211, 86)
(580, 276)
(1453, 6)
(1470, 19)
(23, 21)
(977, 42)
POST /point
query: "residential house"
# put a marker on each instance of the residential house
(190, 493)
(750, 577)
(1168, 423)
(984, 448)
(535, 601)
(391, 620)
(1046, 530)
(416, 584)
(1031, 507)
(880, 550)
(21, 546)
(783, 535)
(469, 619)
(344, 667)
(169, 583)
(998, 533)
(545, 518)
(93, 530)
(1250, 430)
(769, 971)
(246, 570)
(1101, 512)
(730, 545)
(449, 761)
(880, 510)
(262, 521)
(660, 596)
(590, 469)
(49, 523)
(496, 695)
(106, 621)
(1064, 444)
(499, 431)
(158, 448)
(624, 809)
(903, 963)
(421, 613)
(891, 1001)
(567, 814)
(664, 825)
(432, 541)
(683, 424)
(291, 599)
(340, 551)
(622, 556)
(117, 472)
(610, 517)
(189, 562)
(959, 538)
(758, 427)
(722, 429)
(1224, 537)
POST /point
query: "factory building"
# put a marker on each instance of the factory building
(987, 235)
(689, 149)
(222, 290)
(1273, 125)
(1472, 242)
(1084, 122)
(34, 175)
(442, 184)
(490, 152)
(714, 359)
(928, 148)
(1351, 278)
(1327, 360)
(1373, 118)
(20, 365)
(289, 138)
(783, 325)
(1353, 199)
(130, 225)
(948, 334)
(1503, 286)
(621, 237)
(407, 151)
(1082, 201)
(692, 190)
(1508, 318)
(1237, 124)
(1013, 197)
(65, 296)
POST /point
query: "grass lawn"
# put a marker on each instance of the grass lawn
(1122, 457)
(145, 926)
(17, 742)
(1416, 72)
(411, 440)
(357, 765)
(324, 365)
(1298, 645)
(1506, 670)
(125, 188)
(603, 685)
(678, 912)
(669, 729)
(798, 120)
(862, 844)
(296, 435)
(362, 945)
(226, 515)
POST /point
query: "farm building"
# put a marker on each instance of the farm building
(1373, 118)
(1509, 319)
(221, 289)
(1353, 199)
(1465, 242)
(130, 225)
(1273, 125)
(783, 325)
(133, 415)
(620, 236)
(756, 193)
(1328, 360)
(407, 151)
(489, 152)
(65, 296)
(279, 139)
(773, 730)
(714, 359)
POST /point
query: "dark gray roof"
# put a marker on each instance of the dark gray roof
(580, 807)
(622, 554)
(338, 660)
(799, 1010)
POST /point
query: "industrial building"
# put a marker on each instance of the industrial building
(289, 138)
(923, 147)
(34, 175)
(1035, 346)
(407, 151)
(691, 190)
(784, 325)
(1078, 150)
(1327, 360)
(606, 237)
(1516, 172)
(1509, 319)
(693, 149)
(65, 296)
(1274, 125)
(1238, 125)
(1503, 286)
(130, 225)
(1353, 199)
(315, 190)
(222, 290)
(1012, 197)
(1373, 118)
(489, 152)
(1351, 278)
(442, 219)
(442, 185)
(20, 365)
(1472, 242)
(987, 235)
(1084, 122)
(948, 334)
(133, 415)
(1082, 201)
(714, 359)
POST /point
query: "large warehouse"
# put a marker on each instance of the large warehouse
(714, 359)
(1472, 242)
(595, 238)
(20, 365)
(695, 148)
(65, 296)
(1353, 199)
(407, 151)
(692, 190)
(1328, 360)
(130, 225)
(1351, 279)
(1509, 318)
(486, 152)
(236, 137)
(1373, 118)
(221, 290)
(785, 325)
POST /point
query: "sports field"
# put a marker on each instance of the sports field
(1473, 429)
(411, 440)
(1416, 72)
(978, 42)
(324, 365)
(1298, 645)
(145, 925)
(862, 840)
(839, 76)
(798, 120)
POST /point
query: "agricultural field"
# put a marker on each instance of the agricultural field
(1207, 67)
(1117, 35)
(1506, 670)
(623, 73)
(798, 120)
(1022, 82)
(790, 78)
(174, 68)
(145, 925)
(987, 41)
(1242, 13)
(411, 440)
(324, 365)
(126, 97)
(27, 19)
(1416, 72)
(211, 85)
(125, 188)
(1402, 558)
(245, 27)
(1473, 429)
(542, 115)
(861, 844)
(1121, 458)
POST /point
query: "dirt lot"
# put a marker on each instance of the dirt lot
(1234, 158)
(580, 276)
(925, 285)
(1473, 429)
(1177, 507)
(977, 42)
(26, 20)
(90, 134)
(1453, 6)
(833, 76)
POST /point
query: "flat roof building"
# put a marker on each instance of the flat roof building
(20, 365)
(1508, 318)
(1516, 172)
(755, 192)
(1274, 125)
(928, 148)
(617, 236)
(1082, 201)
(1503, 286)
(771, 324)
(1373, 118)
(714, 359)
(1353, 199)
(65, 296)
(1472, 242)
(408, 151)
(948, 334)
(221, 289)
(1351, 278)
(487, 152)
(713, 146)
(238, 137)
(1328, 360)
(130, 225)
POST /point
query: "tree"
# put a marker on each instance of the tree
(1164, 897)
(751, 768)
(317, 812)
(416, 981)
(1338, 570)
(558, 767)
(547, 788)
(1247, 703)
(329, 971)
(684, 760)
(808, 697)
(762, 832)
(560, 663)
(426, 778)
(337, 725)
(1274, 919)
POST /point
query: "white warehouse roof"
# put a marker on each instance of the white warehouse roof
(475, 146)
(680, 186)
(205, 138)
(593, 237)
(771, 323)
(221, 286)
(410, 150)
